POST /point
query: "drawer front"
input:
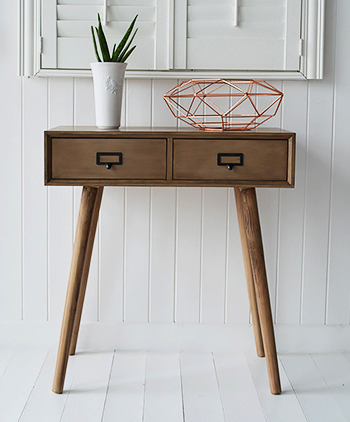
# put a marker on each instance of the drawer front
(90, 158)
(231, 160)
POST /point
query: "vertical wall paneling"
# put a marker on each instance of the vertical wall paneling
(84, 114)
(339, 270)
(112, 254)
(292, 209)
(111, 239)
(91, 303)
(137, 214)
(34, 201)
(213, 277)
(123, 113)
(162, 254)
(188, 254)
(84, 105)
(137, 237)
(318, 171)
(161, 115)
(237, 305)
(138, 106)
(10, 171)
(60, 199)
(268, 203)
(174, 255)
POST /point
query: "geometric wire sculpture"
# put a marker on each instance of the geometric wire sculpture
(224, 104)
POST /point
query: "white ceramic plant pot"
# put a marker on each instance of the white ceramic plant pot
(108, 80)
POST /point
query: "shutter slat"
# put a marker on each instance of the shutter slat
(114, 30)
(254, 3)
(110, 2)
(206, 30)
(246, 14)
(115, 13)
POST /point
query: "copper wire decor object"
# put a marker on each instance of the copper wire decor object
(224, 104)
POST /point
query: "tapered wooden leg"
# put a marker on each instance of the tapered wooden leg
(85, 276)
(87, 205)
(249, 277)
(256, 253)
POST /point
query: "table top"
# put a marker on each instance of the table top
(169, 156)
(169, 130)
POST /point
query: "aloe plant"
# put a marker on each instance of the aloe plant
(120, 53)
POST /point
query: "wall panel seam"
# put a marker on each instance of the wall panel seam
(304, 207)
(200, 298)
(98, 299)
(22, 198)
(48, 278)
(124, 254)
(279, 226)
(227, 243)
(150, 225)
(278, 242)
(330, 211)
(175, 257)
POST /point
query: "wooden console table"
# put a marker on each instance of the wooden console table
(86, 156)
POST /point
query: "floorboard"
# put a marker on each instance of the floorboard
(284, 407)
(201, 396)
(163, 392)
(312, 391)
(18, 381)
(87, 396)
(126, 388)
(42, 402)
(5, 360)
(173, 387)
(335, 370)
(237, 390)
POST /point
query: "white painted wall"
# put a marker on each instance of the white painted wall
(168, 255)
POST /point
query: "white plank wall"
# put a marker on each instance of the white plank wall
(11, 307)
(339, 264)
(173, 255)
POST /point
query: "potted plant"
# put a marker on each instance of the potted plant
(108, 75)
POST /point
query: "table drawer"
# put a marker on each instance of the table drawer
(127, 158)
(249, 160)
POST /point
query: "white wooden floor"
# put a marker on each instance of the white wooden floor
(173, 387)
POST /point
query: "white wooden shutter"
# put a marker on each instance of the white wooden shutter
(266, 37)
(67, 42)
(272, 38)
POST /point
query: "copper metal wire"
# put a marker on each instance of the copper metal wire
(246, 108)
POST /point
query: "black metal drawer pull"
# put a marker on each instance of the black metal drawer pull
(105, 159)
(230, 163)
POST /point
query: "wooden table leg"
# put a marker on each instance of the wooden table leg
(256, 252)
(85, 275)
(249, 277)
(86, 212)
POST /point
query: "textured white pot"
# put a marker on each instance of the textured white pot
(108, 80)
